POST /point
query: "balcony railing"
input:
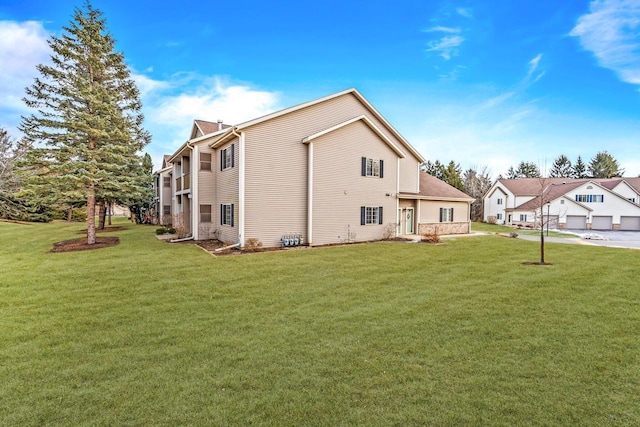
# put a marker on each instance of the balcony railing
(183, 182)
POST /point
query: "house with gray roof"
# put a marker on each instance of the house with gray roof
(565, 203)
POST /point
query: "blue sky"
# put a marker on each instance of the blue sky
(483, 83)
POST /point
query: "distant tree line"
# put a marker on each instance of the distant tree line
(602, 165)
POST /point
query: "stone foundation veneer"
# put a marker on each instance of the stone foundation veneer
(441, 228)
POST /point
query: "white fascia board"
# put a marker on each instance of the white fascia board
(368, 122)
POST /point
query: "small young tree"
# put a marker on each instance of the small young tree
(87, 115)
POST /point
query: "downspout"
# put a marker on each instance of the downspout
(195, 195)
(398, 218)
(241, 184)
(235, 245)
(184, 239)
(310, 194)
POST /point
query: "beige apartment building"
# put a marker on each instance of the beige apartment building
(328, 171)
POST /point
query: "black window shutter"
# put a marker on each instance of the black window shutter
(362, 214)
(441, 214)
(452, 214)
(221, 159)
(221, 214)
(364, 166)
(233, 155)
(232, 215)
(380, 208)
(381, 168)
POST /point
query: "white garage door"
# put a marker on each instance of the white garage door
(601, 222)
(630, 223)
(576, 222)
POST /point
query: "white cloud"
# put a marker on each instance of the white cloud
(442, 29)
(611, 31)
(464, 11)
(23, 45)
(171, 106)
(446, 46)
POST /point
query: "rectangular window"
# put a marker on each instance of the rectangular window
(499, 201)
(227, 158)
(226, 214)
(370, 215)
(372, 167)
(205, 213)
(166, 181)
(590, 198)
(446, 214)
(499, 216)
(205, 161)
(166, 210)
(523, 217)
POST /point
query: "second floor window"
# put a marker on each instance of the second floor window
(590, 198)
(499, 201)
(227, 158)
(372, 167)
(166, 181)
(205, 161)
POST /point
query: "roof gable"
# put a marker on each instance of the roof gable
(366, 121)
(230, 132)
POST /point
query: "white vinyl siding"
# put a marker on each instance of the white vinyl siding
(276, 199)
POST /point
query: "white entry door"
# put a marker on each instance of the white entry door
(409, 218)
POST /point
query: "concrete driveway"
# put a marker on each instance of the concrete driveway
(616, 239)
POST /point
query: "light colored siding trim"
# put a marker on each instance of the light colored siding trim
(340, 190)
(226, 184)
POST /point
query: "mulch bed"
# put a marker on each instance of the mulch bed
(81, 244)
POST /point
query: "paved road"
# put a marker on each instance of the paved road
(618, 239)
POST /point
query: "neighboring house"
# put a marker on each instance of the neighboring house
(164, 191)
(327, 171)
(590, 203)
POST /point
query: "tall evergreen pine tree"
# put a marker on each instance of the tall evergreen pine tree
(88, 115)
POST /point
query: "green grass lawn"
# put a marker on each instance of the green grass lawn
(462, 333)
